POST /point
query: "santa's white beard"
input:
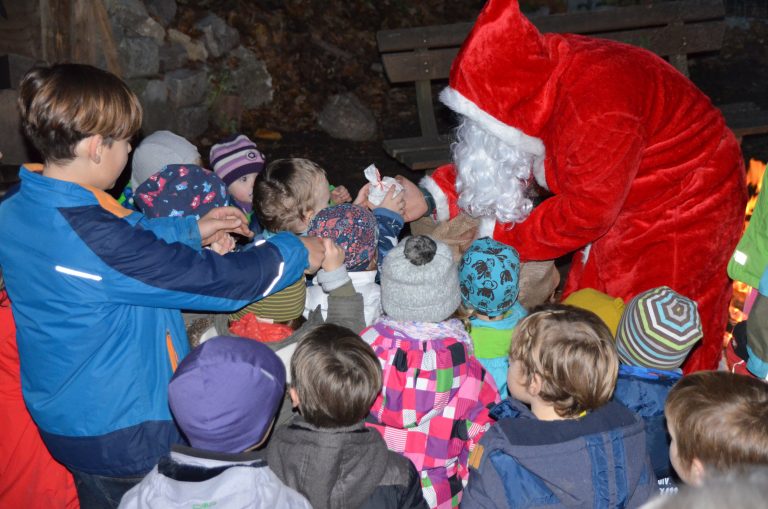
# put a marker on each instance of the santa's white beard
(492, 176)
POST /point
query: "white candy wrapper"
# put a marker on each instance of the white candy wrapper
(379, 186)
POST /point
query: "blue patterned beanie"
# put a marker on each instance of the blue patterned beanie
(489, 274)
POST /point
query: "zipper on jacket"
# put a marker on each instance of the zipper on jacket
(171, 351)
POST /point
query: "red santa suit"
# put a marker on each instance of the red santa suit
(647, 181)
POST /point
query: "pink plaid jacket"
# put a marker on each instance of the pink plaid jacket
(433, 407)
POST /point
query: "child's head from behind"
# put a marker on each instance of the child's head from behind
(489, 273)
(717, 421)
(336, 377)
(353, 228)
(565, 356)
(224, 395)
(237, 161)
(63, 104)
(658, 329)
(288, 194)
(420, 281)
(158, 150)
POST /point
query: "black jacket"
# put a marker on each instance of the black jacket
(343, 467)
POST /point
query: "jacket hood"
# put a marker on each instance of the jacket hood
(598, 458)
(333, 468)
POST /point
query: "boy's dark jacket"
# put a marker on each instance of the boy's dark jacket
(644, 391)
(343, 467)
(598, 460)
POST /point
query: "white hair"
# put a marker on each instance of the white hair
(492, 175)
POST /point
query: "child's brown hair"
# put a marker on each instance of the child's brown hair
(719, 418)
(572, 350)
(283, 193)
(65, 103)
(336, 375)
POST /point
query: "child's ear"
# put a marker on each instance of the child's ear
(294, 397)
(534, 388)
(697, 472)
(95, 147)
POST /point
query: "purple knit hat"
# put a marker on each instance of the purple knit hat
(226, 392)
(236, 157)
(180, 190)
(353, 228)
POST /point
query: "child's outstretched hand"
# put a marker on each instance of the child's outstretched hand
(315, 252)
(362, 196)
(391, 202)
(340, 194)
(334, 256)
(224, 245)
(219, 222)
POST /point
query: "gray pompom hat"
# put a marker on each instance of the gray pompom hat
(420, 281)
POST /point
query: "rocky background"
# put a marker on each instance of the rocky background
(304, 77)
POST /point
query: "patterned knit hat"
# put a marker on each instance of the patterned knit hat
(658, 329)
(353, 228)
(181, 190)
(226, 392)
(282, 306)
(420, 281)
(488, 276)
(609, 309)
(236, 157)
(157, 151)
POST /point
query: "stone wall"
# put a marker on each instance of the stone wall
(180, 78)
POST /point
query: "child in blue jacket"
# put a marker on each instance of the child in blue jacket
(559, 440)
(97, 288)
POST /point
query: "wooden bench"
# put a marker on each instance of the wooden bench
(673, 30)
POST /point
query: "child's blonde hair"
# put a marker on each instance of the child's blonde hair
(283, 193)
(572, 351)
(65, 103)
(719, 418)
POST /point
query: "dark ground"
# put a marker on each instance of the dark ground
(286, 34)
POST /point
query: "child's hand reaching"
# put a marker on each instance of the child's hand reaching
(362, 196)
(223, 245)
(340, 194)
(391, 202)
(334, 256)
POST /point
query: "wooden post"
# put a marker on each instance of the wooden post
(54, 28)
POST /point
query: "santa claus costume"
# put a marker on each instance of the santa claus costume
(647, 182)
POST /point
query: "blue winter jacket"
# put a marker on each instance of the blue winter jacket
(596, 461)
(644, 391)
(96, 290)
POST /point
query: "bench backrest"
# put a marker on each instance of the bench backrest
(671, 29)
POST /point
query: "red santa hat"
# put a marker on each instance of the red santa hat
(505, 78)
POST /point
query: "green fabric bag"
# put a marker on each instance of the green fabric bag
(750, 258)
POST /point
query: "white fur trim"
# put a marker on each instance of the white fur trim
(507, 133)
(442, 212)
(585, 254)
(487, 226)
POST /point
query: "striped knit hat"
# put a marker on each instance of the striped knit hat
(236, 157)
(282, 306)
(658, 329)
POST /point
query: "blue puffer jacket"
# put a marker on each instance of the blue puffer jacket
(598, 460)
(644, 391)
(96, 290)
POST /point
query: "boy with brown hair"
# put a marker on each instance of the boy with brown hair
(327, 453)
(559, 439)
(99, 331)
(717, 422)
